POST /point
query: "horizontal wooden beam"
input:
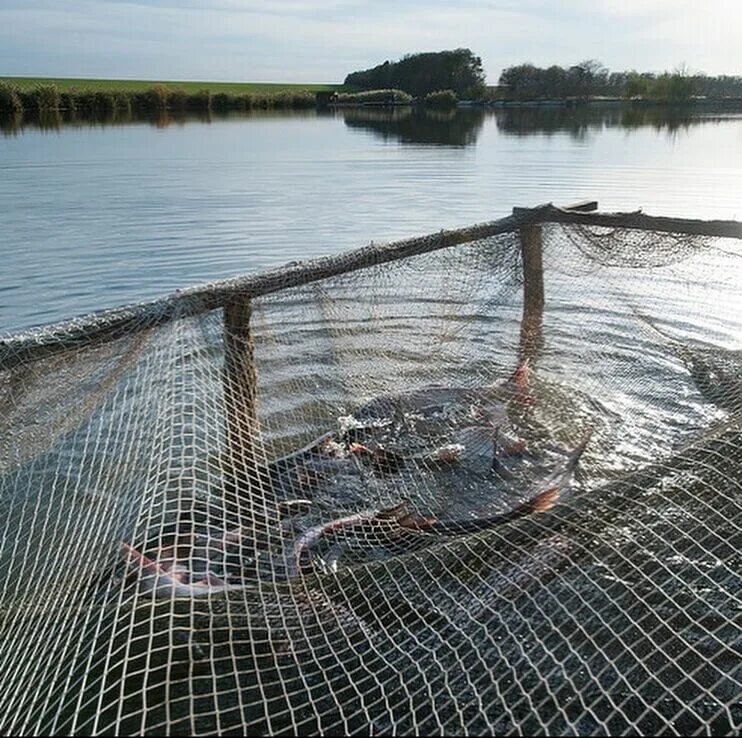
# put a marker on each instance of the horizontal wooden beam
(636, 220)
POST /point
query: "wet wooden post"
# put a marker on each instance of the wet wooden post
(532, 255)
(240, 379)
(531, 325)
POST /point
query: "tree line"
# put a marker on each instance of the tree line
(460, 71)
(591, 79)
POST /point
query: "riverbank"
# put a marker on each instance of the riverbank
(21, 96)
(47, 99)
(67, 84)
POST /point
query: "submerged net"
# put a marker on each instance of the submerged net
(393, 500)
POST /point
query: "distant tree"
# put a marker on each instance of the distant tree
(522, 81)
(636, 85)
(554, 79)
(680, 85)
(587, 78)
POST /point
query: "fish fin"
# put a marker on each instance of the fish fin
(175, 570)
(145, 563)
(651, 324)
(544, 500)
(675, 345)
(517, 448)
(521, 376)
(359, 448)
(288, 508)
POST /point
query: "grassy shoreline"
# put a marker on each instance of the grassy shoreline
(66, 84)
(36, 96)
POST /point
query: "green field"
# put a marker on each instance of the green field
(132, 85)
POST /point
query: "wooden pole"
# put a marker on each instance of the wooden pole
(531, 327)
(240, 379)
(532, 255)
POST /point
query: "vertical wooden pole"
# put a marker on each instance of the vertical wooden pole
(531, 327)
(240, 381)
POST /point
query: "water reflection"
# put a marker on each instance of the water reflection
(580, 122)
(55, 120)
(419, 126)
(460, 127)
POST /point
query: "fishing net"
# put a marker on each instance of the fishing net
(402, 499)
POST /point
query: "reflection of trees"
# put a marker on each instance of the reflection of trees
(670, 119)
(49, 120)
(458, 127)
(576, 121)
(11, 125)
(46, 120)
(416, 125)
(582, 120)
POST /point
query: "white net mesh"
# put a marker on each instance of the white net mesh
(387, 502)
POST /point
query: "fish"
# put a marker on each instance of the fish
(169, 584)
(309, 539)
(364, 435)
(381, 526)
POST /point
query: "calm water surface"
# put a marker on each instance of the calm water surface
(96, 216)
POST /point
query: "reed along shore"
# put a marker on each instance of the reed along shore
(49, 98)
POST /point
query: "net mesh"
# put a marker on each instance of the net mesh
(402, 499)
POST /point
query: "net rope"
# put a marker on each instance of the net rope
(403, 499)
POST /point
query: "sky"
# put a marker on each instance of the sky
(322, 40)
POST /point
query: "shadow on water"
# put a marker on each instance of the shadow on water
(419, 126)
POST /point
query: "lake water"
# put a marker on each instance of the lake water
(99, 215)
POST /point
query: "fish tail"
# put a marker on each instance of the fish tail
(541, 502)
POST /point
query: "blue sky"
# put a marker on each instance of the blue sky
(322, 40)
